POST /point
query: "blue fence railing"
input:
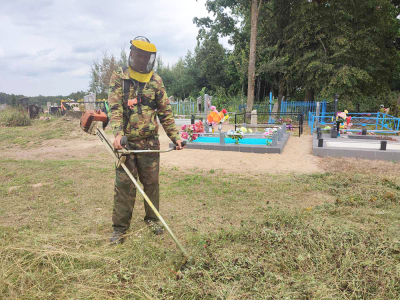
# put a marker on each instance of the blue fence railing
(304, 107)
(183, 108)
(372, 121)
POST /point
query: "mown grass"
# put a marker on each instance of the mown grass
(34, 136)
(321, 236)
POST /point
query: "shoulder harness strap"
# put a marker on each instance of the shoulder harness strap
(126, 88)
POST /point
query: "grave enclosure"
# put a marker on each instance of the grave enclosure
(373, 137)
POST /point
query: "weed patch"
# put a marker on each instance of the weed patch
(13, 116)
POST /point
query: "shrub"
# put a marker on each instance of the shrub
(12, 117)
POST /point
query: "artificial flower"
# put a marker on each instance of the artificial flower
(183, 127)
(216, 117)
(213, 107)
(213, 117)
(192, 131)
(235, 135)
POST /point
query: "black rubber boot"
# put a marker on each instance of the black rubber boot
(117, 238)
(156, 227)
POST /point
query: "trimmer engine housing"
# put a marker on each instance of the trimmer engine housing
(91, 116)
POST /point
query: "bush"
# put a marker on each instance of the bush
(12, 117)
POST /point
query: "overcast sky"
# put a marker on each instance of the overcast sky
(47, 46)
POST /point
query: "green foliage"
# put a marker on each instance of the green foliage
(9, 99)
(344, 47)
(13, 116)
(313, 47)
(101, 71)
(369, 103)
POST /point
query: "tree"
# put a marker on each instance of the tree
(344, 47)
(211, 61)
(255, 9)
(231, 18)
(77, 95)
(101, 71)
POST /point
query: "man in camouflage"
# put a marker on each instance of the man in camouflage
(136, 98)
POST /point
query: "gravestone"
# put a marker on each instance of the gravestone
(33, 111)
(90, 101)
(317, 111)
(24, 101)
(199, 100)
(275, 108)
(253, 119)
(207, 105)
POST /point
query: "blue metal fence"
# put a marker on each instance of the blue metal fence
(290, 107)
(184, 108)
(304, 107)
(378, 122)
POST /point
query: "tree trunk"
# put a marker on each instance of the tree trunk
(281, 91)
(309, 95)
(252, 57)
(258, 89)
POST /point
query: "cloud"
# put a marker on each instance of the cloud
(51, 44)
(85, 48)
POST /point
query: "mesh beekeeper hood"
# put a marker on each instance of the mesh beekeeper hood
(142, 59)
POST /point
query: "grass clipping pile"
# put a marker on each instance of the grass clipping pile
(331, 235)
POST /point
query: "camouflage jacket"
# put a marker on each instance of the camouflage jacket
(142, 125)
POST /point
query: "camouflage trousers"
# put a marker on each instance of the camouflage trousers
(146, 165)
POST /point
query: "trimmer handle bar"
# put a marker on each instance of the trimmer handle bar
(124, 143)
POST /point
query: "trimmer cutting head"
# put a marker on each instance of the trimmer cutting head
(186, 263)
(91, 116)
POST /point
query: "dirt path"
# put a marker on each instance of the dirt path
(296, 157)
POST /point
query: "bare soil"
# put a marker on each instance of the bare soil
(296, 157)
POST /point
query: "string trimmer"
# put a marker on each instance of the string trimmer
(88, 123)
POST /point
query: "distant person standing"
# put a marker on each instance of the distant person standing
(136, 98)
